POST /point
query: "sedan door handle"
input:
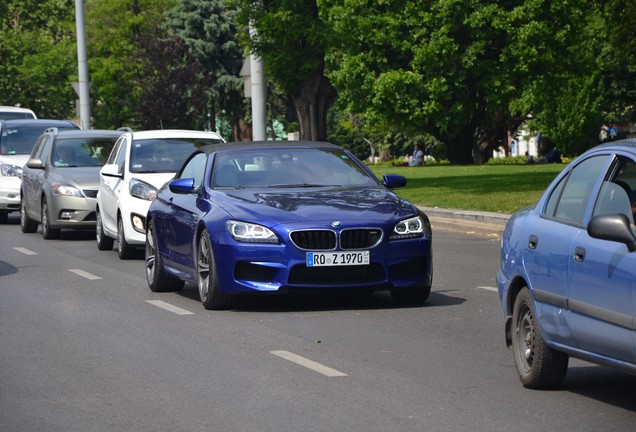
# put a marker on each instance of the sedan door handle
(533, 241)
(579, 254)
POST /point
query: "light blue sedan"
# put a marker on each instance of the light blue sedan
(567, 277)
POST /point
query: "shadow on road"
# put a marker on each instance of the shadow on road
(603, 384)
(323, 301)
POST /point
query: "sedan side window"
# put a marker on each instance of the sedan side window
(569, 198)
(195, 168)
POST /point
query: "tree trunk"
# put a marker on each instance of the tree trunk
(312, 101)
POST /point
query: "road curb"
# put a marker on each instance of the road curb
(467, 221)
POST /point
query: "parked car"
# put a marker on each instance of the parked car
(17, 138)
(61, 178)
(140, 163)
(271, 217)
(567, 284)
(14, 113)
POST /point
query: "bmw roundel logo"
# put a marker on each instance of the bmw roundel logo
(335, 224)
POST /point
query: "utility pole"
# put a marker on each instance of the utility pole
(82, 64)
(258, 93)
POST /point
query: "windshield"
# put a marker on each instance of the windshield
(288, 168)
(20, 140)
(164, 154)
(82, 151)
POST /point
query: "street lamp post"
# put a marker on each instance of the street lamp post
(82, 64)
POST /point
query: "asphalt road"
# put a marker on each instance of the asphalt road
(85, 346)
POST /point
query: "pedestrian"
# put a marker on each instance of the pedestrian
(416, 159)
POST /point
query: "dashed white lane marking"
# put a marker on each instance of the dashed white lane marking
(169, 307)
(84, 274)
(488, 288)
(25, 251)
(310, 364)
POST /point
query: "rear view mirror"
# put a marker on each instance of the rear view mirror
(393, 181)
(615, 227)
(111, 170)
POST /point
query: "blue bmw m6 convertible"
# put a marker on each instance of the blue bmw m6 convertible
(265, 217)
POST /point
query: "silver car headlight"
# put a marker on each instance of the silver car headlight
(250, 233)
(142, 190)
(61, 189)
(10, 170)
(408, 228)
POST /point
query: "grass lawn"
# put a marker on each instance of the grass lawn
(491, 188)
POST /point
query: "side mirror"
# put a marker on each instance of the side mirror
(615, 227)
(111, 170)
(393, 181)
(35, 164)
(182, 185)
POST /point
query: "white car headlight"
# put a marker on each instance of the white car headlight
(408, 228)
(250, 233)
(142, 190)
(60, 189)
(9, 170)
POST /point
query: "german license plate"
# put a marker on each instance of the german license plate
(318, 259)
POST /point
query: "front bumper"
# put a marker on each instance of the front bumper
(250, 268)
(72, 212)
(10, 193)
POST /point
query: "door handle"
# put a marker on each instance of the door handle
(533, 241)
(579, 254)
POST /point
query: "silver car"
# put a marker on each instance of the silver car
(61, 178)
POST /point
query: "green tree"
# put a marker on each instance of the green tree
(114, 31)
(292, 38)
(209, 29)
(38, 52)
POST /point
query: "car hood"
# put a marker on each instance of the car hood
(17, 160)
(297, 205)
(84, 177)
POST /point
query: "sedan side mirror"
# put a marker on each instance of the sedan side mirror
(615, 227)
(393, 181)
(182, 185)
(35, 163)
(111, 170)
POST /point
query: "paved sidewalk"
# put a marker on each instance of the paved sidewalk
(467, 221)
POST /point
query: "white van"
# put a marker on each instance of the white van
(14, 113)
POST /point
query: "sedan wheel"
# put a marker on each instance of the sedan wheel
(103, 241)
(207, 278)
(124, 250)
(538, 365)
(27, 225)
(156, 276)
(47, 231)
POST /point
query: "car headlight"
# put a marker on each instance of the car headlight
(408, 228)
(60, 189)
(250, 233)
(9, 170)
(142, 190)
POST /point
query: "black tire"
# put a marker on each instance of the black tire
(412, 296)
(103, 241)
(27, 225)
(538, 365)
(4, 217)
(157, 278)
(124, 250)
(207, 278)
(47, 231)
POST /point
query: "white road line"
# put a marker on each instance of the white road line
(84, 274)
(169, 307)
(25, 251)
(488, 288)
(316, 367)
